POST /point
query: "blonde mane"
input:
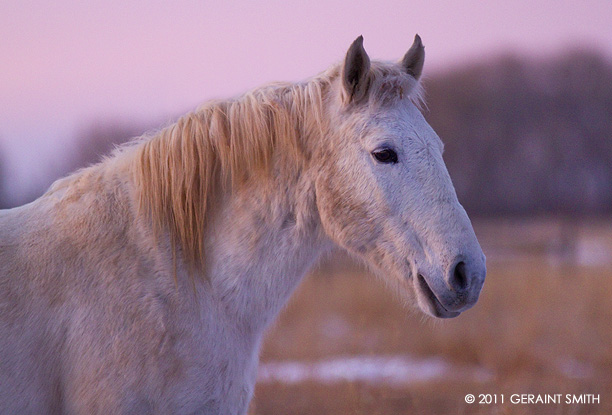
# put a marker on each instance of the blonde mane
(224, 143)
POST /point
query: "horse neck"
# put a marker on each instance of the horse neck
(262, 240)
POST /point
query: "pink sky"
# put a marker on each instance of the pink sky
(67, 63)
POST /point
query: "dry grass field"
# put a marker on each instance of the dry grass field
(543, 325)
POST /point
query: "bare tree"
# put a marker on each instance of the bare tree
(91, 145)
(99, 139)
(525, 137)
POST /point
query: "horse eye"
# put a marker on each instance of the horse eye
(385, 155)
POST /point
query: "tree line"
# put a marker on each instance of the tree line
(528, 137)
(521, 136)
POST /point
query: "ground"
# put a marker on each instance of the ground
(541, 326)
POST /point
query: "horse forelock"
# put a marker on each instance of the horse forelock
(389, 83)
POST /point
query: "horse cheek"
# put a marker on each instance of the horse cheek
(346, 221)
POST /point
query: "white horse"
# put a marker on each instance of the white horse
(144, 284)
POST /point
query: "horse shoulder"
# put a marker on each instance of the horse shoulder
(82, 289)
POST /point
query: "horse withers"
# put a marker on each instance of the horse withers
(144, 284)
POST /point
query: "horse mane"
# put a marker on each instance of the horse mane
(225, 143)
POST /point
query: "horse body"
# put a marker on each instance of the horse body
(144, 284)
(92, 321)
(106, 330)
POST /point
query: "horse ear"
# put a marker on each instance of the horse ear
(414, 58)
(356, 70)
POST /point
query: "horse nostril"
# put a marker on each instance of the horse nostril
(458, 280)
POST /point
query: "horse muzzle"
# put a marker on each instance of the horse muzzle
(448, 294)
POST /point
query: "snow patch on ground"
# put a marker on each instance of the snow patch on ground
(394, 370)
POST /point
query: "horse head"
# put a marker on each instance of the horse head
(384, 193)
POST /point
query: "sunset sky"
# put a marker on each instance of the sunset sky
(67, 63)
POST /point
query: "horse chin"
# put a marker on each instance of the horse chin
(428, 302)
